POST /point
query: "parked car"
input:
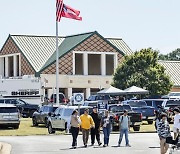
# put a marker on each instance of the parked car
(169, 105)
(9, 116)
(140, 106)
(25, 108)
(156, 103)
(118, 110)
(60, 119)
(172, 95)
(41, 116)
(101, 101)
(62, 98)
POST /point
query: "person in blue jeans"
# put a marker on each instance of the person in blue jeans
(124, 124)
(106, 125)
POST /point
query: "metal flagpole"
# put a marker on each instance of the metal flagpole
(57, 66)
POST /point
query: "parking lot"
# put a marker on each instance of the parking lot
(60, 144)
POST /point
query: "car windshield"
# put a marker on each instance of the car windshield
(8, 110)
(119, 108)
(172, 102)
(137, 103)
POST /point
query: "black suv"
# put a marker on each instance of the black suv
(25, 109)
(41, 116)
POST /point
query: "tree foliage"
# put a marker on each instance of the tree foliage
(143, 70)
(174, 55)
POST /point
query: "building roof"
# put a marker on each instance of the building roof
(40, 50)
(173, 70)
(120, 44)
(37, 49)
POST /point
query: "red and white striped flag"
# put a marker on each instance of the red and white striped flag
(66, 11)
(59, 7)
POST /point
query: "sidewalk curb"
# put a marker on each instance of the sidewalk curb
(5, 148)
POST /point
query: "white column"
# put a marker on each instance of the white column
(69, 92)
(88, 92)
(6, 67)
(19, 65)
(2, 66)
(115, 61)
(103, 64)
(15, 65)
(85, 63)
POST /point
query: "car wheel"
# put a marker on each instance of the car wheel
(34, 121)
(50, 129)
(150, 122)
(16, 126)
(136, 128)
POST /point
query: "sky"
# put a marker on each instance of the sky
(140, 23)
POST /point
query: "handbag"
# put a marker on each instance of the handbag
(169, 140)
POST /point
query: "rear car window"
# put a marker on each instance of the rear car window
(8, 110)
(173, 102)
(68, 112)
(137, 103)
(2, 101)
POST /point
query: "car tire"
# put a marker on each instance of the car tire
(16, 126)
(50, 129)
(136, 128)
(150, 122)
(34, 121)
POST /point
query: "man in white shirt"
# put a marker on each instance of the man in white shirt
(176, 126)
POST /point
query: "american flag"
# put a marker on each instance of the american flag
(59, 7)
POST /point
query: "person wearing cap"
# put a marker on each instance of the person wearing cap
(86, 124)
(163, 132)
(95, 132)
(124, 125)
(176, 126)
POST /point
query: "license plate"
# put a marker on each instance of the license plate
(7, 117)
(144, 117)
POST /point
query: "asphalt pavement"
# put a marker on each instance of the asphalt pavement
(142, 143)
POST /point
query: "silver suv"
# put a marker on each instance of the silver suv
(9, 116)
(60, 119)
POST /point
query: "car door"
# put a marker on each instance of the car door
(39, 115)
(43, 114)
(56, 119)
(60, 122)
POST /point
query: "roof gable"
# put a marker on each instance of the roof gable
(67, 45)
(36, 49)
(172, 68)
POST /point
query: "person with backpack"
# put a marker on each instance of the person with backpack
(124, 125)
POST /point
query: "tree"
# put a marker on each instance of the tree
(142, 69)
(174, 55)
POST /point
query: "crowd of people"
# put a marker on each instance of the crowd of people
(92, 123)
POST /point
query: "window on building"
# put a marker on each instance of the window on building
(94, 64)
(109, 64)
(78, 64)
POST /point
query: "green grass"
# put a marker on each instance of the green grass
(25, 129)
